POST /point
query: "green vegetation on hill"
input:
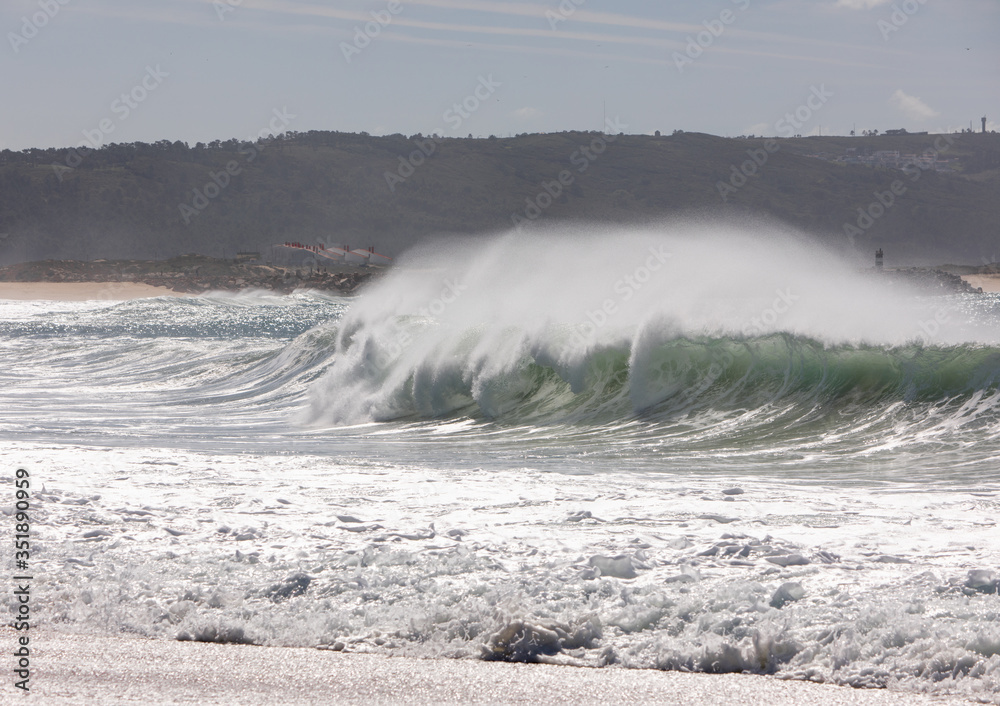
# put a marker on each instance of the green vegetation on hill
(156, 201)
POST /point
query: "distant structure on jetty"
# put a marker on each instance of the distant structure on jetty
(930, 280)
(335, 255)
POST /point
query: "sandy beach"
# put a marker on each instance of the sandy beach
(82, 291)
(77, 669)
(989, 283)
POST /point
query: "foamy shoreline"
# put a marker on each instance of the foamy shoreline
(83, 669)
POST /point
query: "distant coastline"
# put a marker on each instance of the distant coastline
(197, 274)
(187, 274)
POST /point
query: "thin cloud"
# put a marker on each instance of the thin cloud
(545, 33)
(861, 4)
(611, 19)
(189, 16)
(911, 106)
(606, 20)
(536, 33)
(519, 49)
(523, 9)
(401, 21)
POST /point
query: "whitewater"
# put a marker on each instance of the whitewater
(708, 448)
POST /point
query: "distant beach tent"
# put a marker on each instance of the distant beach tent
(366, 256)
(334, 254)
(375, 259)
(341, 255)
(358, 256)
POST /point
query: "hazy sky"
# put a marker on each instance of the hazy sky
(98, 71)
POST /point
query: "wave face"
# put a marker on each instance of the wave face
(661, 377)
(739, 340)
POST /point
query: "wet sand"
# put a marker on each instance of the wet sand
(82, 291)
(989, 283)
(75, 669)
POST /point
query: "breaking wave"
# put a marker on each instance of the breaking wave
(773, 335)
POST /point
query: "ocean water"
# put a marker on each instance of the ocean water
(682, 448)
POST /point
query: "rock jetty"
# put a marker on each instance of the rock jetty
(193, 274)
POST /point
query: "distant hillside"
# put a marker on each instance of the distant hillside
(132, 200)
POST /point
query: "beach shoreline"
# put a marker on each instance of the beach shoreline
(988, 283)
(185, 274)
(82, 291)
(84, 669)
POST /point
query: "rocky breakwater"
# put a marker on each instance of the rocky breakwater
(933, 281)
(284, 282)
